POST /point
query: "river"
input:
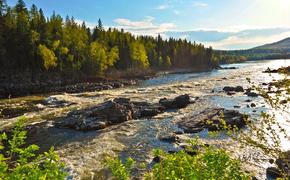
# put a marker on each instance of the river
(83, 152)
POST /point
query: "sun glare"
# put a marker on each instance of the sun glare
(283, 3)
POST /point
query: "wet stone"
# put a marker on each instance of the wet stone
(117, 111)
(233, 89)
(251, 94)
(283, 101)
(169, 138)
(210, 119)
(273, 172)
(178, 102)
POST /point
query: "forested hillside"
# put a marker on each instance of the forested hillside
(276, 50)
(31, 42)
(283, 46)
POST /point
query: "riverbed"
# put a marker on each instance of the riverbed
(83, 152)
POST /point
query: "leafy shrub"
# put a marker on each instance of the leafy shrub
(210, 163)
(207, 163)
(20, 162)
(120, 170)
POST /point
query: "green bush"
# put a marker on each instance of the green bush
(208, 163)
(120, 170)
(20, 162)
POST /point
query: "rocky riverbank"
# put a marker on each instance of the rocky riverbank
(15, 84)
(12, 90)
(280, 70)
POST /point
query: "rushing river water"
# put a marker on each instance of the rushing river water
(83, 152)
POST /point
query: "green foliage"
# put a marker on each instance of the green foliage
(160, 61)
(101, 58)
(48, 57)
(208, 163)
(167, 62)
(227, 57)
(20, 162)
(138, 55)
(120, 170)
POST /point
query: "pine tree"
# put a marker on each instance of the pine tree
(20, 6)
(3, 7)
(100, 24)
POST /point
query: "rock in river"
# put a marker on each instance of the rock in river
(178, 102)
(250, 93)
(199, 122)
(117, 111)
(169, 138)
(233, 89)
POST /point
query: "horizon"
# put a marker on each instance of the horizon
(202, 21)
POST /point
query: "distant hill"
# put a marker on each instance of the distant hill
(277, 50)
(283, 45)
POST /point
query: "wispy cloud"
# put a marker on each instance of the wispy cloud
(242, 39)
(145, 27)
(90, 25)
(245, 42)
(199, 4)
(162, 7)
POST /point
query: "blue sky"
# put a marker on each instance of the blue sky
(223, 24)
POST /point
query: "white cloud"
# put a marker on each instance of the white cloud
(90, 25)
(199, 4)
(144, 27)
(162, 7)
(242, 37)
(244, 42)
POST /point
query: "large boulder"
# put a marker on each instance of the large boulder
(233, 89)
(113, 112)
(178, 102)
(232, 118)
(100, 117)
(211, 119)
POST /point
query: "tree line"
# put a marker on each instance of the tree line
(234, 56)
(31, 42)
